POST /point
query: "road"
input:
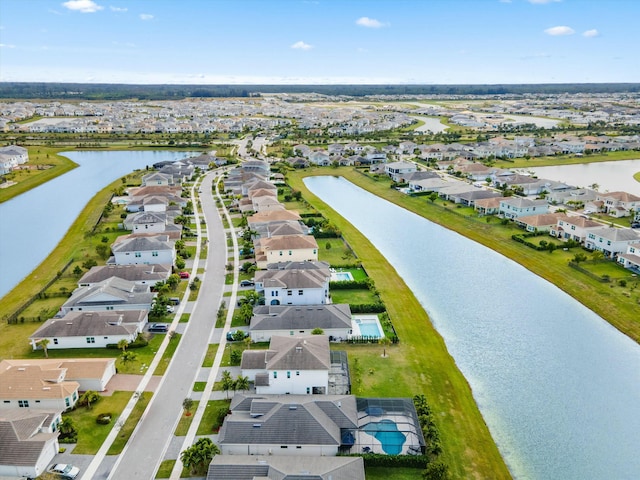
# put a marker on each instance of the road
(149, 442)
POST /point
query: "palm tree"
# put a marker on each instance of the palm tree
(45, 343)
(123, 344)
(227, 382)
(197, 457)
(385, 342)
(187, 404)
(242, 383)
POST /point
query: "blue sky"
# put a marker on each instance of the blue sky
(323, 41)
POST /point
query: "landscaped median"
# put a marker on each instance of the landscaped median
(420, 364)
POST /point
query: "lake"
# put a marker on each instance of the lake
(558, 386)
(610, 176)
(33, 223)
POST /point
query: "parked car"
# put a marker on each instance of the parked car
(159, 327)
(170, 309)
(184, 274)
(64, 470)
(236, 335)
(247, 283)
(174, 300)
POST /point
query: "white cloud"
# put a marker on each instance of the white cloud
(369, 22)
(118, 9)
(146, 16)
(83, 6)
(301, 46)
(591, 33)
(6, 45)
(559, 30)
(542, 2)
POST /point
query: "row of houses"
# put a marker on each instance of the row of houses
(11, 157)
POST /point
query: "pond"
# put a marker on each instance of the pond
(33, 223)
(558, 386)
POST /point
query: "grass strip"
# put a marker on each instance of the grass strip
(127, 429)
(185, 421)
(210, 356)
(165, 469)
(168, 354)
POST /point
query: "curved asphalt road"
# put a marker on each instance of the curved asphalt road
(150, 440)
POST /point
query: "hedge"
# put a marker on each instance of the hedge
(378, 307)
(380, 460)
(350, 284)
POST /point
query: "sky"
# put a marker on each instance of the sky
(320, 42)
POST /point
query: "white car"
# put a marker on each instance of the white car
(64, 470)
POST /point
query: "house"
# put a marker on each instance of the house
(611, 241)
(271, 320)
(146, 222)
(470, 197)
(111, 294)
(294, 286)
(574, 228)
(140, 274)
(289, 425)
(488, 206)
(11, 156)
(52, 384)
(514, 207)
(28, 441)
(543, 222)
(631, 258)
(256, 184)
(285, 227)
(398, 170)
(144, 250)
(292, 365)
(428, 184)
(276, 467)
(319, 158)
(264, 218)
(294, 248)
(619, 204)
(157, 178)
(266, 203)
(90, 329)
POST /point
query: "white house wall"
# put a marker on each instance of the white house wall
(146, 258)
(273, 449)
(265, 335)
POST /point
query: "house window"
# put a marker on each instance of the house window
(288, 374)
(290, 332)
(91, 339)
(290, 253)
(75, 395)
(280, 252)
(298, 373)
(67, 402)
(573, 227)
(308, 390)
(154, 254)
(109, 308)
(6, 401)
(289, 293)
(23, 403)
(315, 251)
(275, 374)
(284, 446)
(138, 254)
(300, 292)
(55, 341)
(37, 401)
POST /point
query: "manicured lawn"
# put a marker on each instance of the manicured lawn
(199, 386)
(394, 473)
(90, 434)
(185, 421)
(126, 431)
(165, 469)
(336, 255)
(210, 355)
(637, 176)
(568, 159)
(353, 296)
(184, 318)
(168, 354)
(209, 423)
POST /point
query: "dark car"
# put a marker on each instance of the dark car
(247, 283)
(159, 327)
(174, 300)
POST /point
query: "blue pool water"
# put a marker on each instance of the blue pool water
(369, 328)
(386, 432)
(342, 277)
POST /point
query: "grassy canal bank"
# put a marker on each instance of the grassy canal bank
(420, 364)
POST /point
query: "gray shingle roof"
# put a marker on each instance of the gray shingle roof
(295, 317)
(81, 324)
(21, 441)
(142, 244)
(132, 273)
(309, 352)
(113, 291)
(293, 278)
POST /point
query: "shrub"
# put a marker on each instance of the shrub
(103, 419)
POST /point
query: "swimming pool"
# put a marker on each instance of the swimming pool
(341, 277)
(387, 433)
(367, 326)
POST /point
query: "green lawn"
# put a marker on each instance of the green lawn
(165, 469)
(199, 386)
(90, 434)
(210, 421)
(637, 176)
(353, 296)
(126, 431)
(210, 356)
(185, 421)
(394, 473)
(336, 255)
(184, 318)
(568, 159)
(168, 354)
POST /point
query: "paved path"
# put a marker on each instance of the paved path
(152, 437)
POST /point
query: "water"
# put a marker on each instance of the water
(610, 176)
(387, 433)
(341, 277)
(33, 223)
(558, 387)
(368, 327)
